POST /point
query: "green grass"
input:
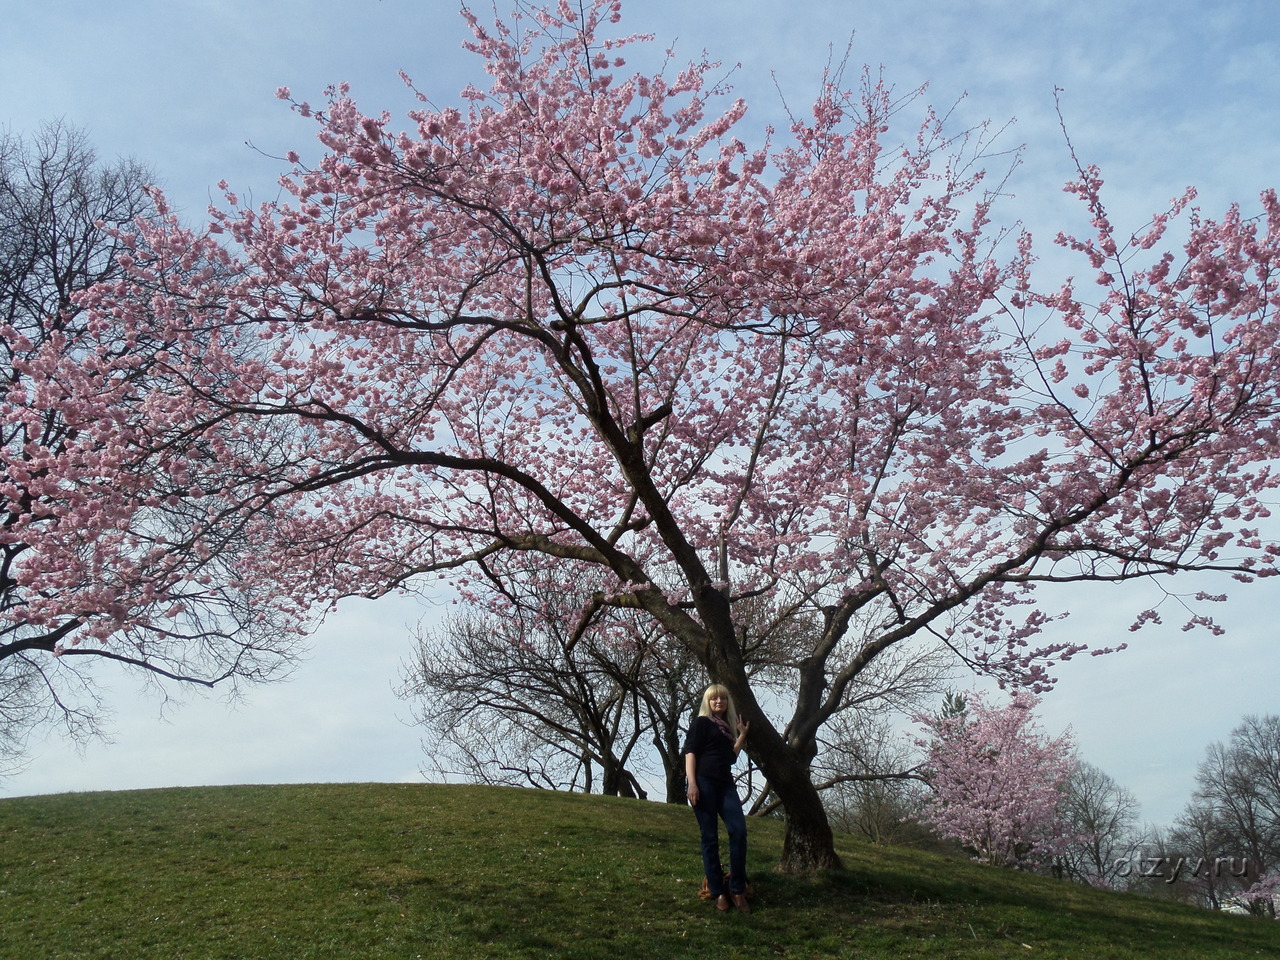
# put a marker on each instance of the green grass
(400, 871)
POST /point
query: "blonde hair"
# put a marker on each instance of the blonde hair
(731, 715)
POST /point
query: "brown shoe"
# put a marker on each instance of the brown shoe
(740, 901)
(722, 903)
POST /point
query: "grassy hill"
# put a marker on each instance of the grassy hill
(400, 871)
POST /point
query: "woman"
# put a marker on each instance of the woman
(715, 739)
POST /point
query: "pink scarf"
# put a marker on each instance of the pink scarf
(724, 727)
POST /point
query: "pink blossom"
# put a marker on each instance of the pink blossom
(998, 784)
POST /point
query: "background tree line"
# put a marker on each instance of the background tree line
(521, 702)
(537, 696)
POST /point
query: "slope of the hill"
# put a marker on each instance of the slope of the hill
(371, 871)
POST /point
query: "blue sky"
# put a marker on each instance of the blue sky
(1159, 94)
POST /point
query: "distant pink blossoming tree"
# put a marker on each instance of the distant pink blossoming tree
(576, 318)
(97, 543)
(998, 783)
(1264, 895)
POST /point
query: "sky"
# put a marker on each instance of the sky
(1160, 95)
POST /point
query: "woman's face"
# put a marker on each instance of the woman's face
(718, 703)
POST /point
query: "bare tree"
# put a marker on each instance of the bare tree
(1232, 823)
(526, 700)
(666, 685)
(872, 780)
(1197, 839)
(540, 684)
(545, 687)
(1103, 818)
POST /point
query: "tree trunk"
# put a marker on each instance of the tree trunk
(617, 781)
(666, 738)
(809, 844)
(673, 777)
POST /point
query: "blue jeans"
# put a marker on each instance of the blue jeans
(720, 800)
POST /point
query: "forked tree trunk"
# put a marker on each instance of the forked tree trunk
(809, 844)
